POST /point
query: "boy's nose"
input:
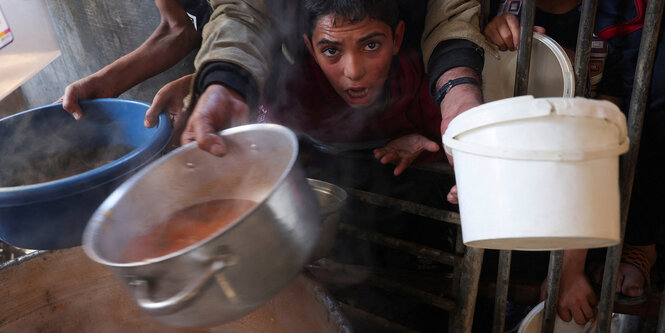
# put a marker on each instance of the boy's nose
(354, 69)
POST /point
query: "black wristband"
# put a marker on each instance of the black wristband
(230, 75)
(441, 93)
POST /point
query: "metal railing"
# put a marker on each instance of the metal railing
(461, 285)
(636, 113)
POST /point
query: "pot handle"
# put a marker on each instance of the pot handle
(177, 302)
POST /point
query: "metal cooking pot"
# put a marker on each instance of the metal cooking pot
(234, 271)
(331, 200)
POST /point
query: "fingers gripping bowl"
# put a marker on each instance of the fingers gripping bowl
(235, 269)
(55, 171)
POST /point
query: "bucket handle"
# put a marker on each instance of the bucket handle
(141, 289)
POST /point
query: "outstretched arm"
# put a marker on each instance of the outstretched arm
(453, 48)
(171, 41)
(458, 99)
(232, 66)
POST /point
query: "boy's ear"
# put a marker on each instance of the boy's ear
(398, 37)
(309, 45)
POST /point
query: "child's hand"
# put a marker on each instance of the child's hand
(404, 150)
(169, 100)
(504, 31)
(92, 86)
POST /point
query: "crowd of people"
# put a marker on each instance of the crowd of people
(387, 75)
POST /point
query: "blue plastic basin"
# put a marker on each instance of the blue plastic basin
(53, 214)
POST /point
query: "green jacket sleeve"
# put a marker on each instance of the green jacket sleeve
(240, 33)
(449, 20)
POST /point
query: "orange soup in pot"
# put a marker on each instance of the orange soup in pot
(185, 227)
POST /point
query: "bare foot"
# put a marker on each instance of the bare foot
(630, 281)
(633, 280)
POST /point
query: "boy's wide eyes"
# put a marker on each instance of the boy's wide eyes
(371, 46)
(329, 51)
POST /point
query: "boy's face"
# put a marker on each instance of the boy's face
(355, 57)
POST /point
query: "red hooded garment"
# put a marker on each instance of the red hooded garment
(308, 104)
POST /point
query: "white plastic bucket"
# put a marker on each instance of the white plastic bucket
(538, 174)
(551, 72)
(533, 321)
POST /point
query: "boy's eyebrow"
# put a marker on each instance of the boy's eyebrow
(325, 41)
(370, 36)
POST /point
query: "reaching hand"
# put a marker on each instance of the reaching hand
(404, 150)
(217, 108)
(169, 99)
(576, 297)
(459, 99)
(504, 31)
(452, 195)
(85, 88)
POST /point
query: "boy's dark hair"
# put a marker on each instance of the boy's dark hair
(351, 11)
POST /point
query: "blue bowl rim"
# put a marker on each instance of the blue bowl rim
(53, 190)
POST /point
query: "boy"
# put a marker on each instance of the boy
(356, 87)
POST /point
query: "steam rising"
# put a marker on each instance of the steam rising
(42, 146)
(61, 165)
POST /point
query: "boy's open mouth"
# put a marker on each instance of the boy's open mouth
(357, 92)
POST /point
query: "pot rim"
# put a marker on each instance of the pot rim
(99, 217)
(331, 190)
(53, 190)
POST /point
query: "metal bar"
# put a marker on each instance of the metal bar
(582, 55)
(354, 272)
(402, 245)
(9, 253)
(610, 276)
(417, 294)
(641, 85)
(442, 168)
(552, 292)
(384, 324)
(527, 14)
(21, 259)
(661, 312)
(583, 47)
(484, 13)
(468, 290)
(501, 296)
(405, 206)
(5, 255)
(457, 272)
